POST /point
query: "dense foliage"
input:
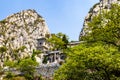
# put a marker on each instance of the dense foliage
(98, 57)
(105, 27)
(98, 61)
(27, 67)
(59, 41)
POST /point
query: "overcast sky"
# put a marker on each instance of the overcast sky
(66, 16)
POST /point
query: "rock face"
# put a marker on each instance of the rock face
(95, 10)
(19, 34)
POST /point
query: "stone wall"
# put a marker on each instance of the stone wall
(47, 70)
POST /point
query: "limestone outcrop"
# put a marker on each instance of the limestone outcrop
(95, 10)
(19, 34)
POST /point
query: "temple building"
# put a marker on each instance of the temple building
(48, 56)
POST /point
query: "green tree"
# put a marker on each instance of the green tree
(9, 76)
(3, 50)
(11, 64)
(98, 57)
(27, 67)
(58, 41)
(105, 27)
(65, 40)
(12, 77)
(98, 61)
(35, 53)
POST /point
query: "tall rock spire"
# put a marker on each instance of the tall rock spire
(95, 10)
(19, 33)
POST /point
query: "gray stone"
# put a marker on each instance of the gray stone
(21, 29)
(95, 10)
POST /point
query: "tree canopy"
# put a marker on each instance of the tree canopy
(98, 61)
(27, 67)
(105, 27)
(98, 57)
(59, 41)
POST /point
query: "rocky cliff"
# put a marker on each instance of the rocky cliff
(95, 10)
(19, 33)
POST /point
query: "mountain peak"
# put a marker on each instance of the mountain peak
(21, 30)
(95, 10)
(29, 13)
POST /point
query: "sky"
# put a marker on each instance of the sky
(66, 16)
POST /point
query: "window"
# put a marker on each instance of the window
(40, 43)
(41, 34)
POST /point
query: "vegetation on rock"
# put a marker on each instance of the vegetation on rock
(98, 57)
